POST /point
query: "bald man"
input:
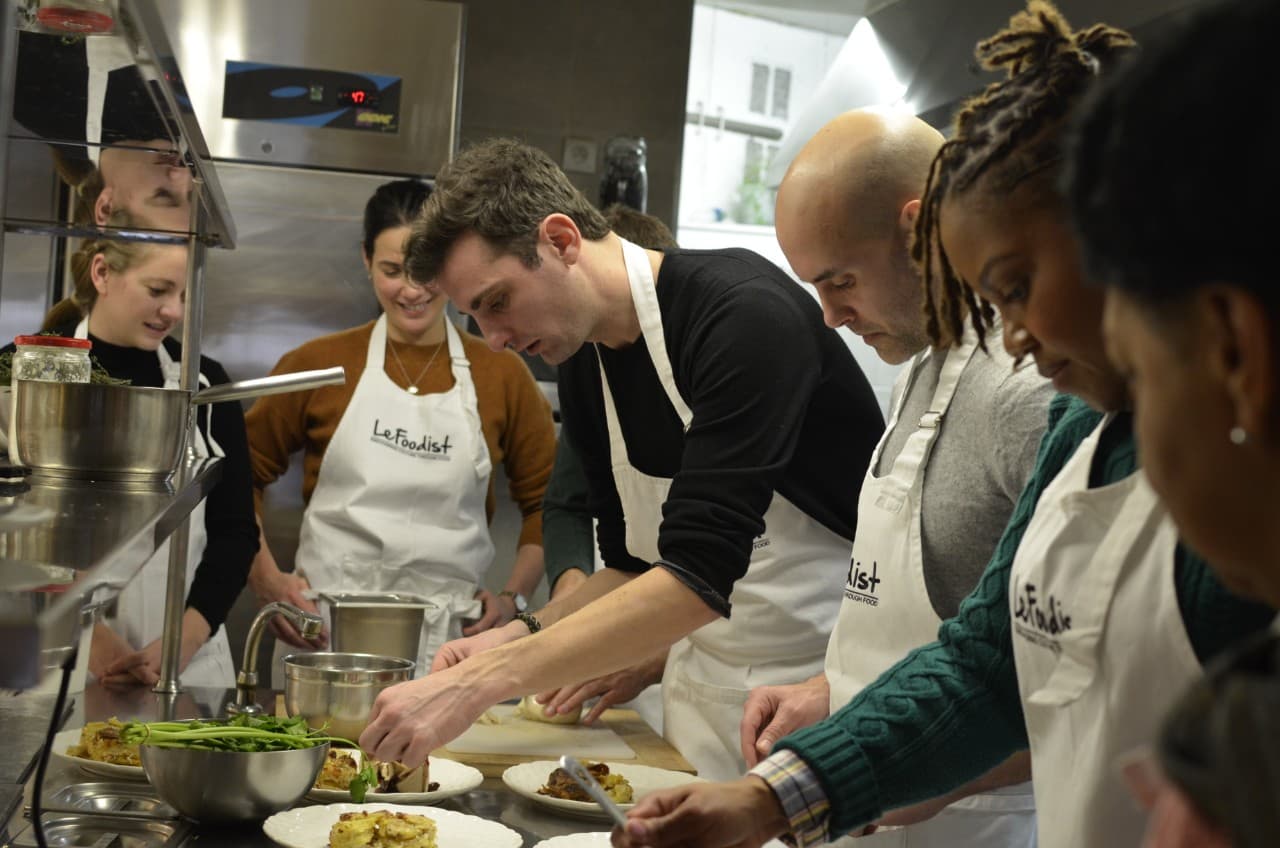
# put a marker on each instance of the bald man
(944, 479)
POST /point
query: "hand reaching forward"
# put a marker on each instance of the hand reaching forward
(743, 813)
(771, 712)
(613, 689)
(410, 720)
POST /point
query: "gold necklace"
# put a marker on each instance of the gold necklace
(413, 384)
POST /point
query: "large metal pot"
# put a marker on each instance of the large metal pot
(122, 433)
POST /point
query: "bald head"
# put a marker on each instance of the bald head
(844, 212)
(852, 179)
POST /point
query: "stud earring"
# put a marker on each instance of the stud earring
(1237, 435)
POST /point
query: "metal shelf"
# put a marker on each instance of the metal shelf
(68, 544)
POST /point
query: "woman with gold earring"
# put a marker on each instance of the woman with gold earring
(396, 463)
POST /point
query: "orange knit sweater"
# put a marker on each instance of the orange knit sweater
(514, 415)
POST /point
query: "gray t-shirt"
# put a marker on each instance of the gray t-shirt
(981, 459)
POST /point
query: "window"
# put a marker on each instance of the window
(781, 92)
(759, 87)
(766, 81)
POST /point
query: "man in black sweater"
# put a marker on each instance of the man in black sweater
(724, 431)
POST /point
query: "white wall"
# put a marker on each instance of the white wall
(763, 241)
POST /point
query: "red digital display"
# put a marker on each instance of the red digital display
(358, 97)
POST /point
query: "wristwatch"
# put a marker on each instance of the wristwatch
(518, 599)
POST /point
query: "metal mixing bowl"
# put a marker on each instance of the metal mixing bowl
(336, 691)
(228, 786)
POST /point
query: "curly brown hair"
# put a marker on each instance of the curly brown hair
(501, 189)
(1006, 135)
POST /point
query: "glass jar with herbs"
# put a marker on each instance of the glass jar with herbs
(52, 359)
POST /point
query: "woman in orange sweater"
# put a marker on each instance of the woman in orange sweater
(397, 462)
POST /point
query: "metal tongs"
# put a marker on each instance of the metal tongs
(590, 786)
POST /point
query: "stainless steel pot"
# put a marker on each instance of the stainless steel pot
(388, 624)
(123, 433)
(336, 691)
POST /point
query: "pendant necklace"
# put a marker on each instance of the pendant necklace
(413, 384)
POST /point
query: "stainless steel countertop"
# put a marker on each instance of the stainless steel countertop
(492, 801)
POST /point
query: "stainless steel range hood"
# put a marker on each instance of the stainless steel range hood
(929, 48)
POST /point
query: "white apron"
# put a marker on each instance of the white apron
(1099, 643)
(886, 612)
(783, 608)
(139, 616)
(399, 504)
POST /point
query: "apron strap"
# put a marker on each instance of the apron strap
(919, 445)
(644, 295)
(375, 357)
(466, 384)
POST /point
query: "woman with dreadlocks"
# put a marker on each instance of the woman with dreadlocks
(1090, 618)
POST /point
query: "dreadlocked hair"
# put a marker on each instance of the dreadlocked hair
(1011, 132)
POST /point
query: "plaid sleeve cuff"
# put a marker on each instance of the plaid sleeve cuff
(803, 801)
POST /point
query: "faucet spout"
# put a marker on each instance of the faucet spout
(308, 624)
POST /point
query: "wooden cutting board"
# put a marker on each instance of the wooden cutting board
(494, 748)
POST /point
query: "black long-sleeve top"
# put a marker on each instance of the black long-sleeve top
(778, 402)
(229, 516)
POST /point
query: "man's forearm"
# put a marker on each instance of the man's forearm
(597, 586)
(646, 615)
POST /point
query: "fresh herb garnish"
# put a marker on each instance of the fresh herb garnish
(244, 733)
(362, 782)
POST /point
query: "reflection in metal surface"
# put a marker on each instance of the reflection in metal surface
(102, 531)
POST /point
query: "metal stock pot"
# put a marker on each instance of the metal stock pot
(123, 433)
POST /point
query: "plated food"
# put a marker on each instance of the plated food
(393, 783)
(101, 742)
(526, 779)
(560, 784)
(382, 829)
(67, 748)
(311, 827)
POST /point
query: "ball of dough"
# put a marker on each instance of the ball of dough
(532, 710)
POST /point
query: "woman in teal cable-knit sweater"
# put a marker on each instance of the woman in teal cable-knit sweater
(993, 219)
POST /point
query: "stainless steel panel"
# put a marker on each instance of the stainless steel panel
(419, 41)
(296, 273)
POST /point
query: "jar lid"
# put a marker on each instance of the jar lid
(70, 19)
(53, 341)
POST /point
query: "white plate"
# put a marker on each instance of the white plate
(526, 778)
(308, 827)
(69, 738)
(454, 779)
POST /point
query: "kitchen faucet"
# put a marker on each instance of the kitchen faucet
(307, 624)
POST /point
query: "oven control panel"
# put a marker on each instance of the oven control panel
(255, 91)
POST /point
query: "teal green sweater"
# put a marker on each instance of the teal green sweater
(950, 711)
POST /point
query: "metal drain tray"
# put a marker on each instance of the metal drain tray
(90, 831)
(136, 799)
